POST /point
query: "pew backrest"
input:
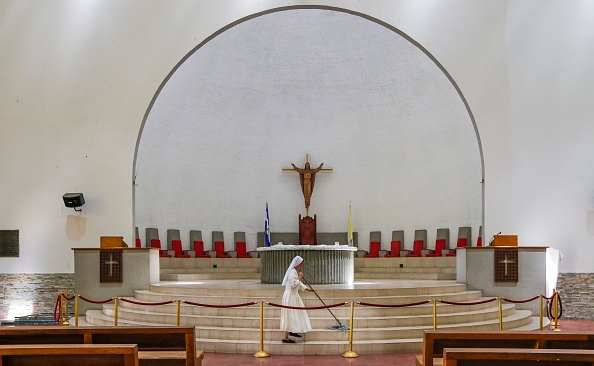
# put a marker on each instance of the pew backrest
(69, 354)
(515, 356)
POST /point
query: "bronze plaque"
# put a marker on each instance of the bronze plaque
(110, 266)
(506, 265)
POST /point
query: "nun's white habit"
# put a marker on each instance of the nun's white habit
(292, 320)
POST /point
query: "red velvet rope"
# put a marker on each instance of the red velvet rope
(468, 303)
(148, 303)
(221, 306)
(395, 306)
(520, 301)
(306, 307)
(549, 298)
(58, 309)
(93, 301)
(68, 298)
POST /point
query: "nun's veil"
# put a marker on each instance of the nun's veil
(294, 263)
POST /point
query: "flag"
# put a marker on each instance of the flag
(350, 227)
(267, 226)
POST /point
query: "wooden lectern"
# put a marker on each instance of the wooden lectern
(307, 230)
(107, 242)
(505, 241)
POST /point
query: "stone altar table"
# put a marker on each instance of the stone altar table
(323, 264)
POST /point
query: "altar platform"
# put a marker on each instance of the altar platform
(376, 330)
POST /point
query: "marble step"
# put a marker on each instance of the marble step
(309, 299)
(319, 318)
(405, 270)
(520, 320)
(211, 276)
(406, 276)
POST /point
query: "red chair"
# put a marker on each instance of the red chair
(460, 244)
(176, 245)
(374, 249)
(241, 250)
(137, 242)
(395, 248)
(199, 251)
(156, 243)
(479, 241)
(219, 248)
(418, 247)
(439, 248)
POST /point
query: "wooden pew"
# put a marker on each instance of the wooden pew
(163, 345)
(517, 357)
(435, 341)
(69, 354)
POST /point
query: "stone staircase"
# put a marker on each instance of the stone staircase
(375, 329)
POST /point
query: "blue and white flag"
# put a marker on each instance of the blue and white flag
(267, 226)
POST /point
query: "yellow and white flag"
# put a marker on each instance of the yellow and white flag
(350, 228)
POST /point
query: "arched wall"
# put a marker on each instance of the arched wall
(349, 90)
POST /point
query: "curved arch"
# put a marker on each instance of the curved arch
(319, 7)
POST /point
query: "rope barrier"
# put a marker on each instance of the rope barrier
(147, 303)
(520, 301)
(221, 306)
(549, 306)
(307, 307)
(468, 303)
(394, 305)
(58, 309)
(95, 301)
(68, 298)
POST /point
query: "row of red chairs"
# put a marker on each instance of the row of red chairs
(396, 249)
(198, 250)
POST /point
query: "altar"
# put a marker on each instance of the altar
(322, 264)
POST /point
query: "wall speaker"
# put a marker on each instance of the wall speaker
(73, 200)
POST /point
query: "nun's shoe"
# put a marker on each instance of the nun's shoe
(288, 341)
(295, 335)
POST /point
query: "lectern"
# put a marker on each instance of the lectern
(505, 241)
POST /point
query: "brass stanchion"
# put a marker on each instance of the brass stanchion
(261, 353)
(76, 310)
(115, 311)
(350, 353)
(556, 311)
(65, 320)
(500, 313)
(178, 312)
(540, 302)
(434, 313)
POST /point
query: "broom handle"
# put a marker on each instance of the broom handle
(314, 291)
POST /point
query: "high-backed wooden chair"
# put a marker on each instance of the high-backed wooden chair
(479, 238)
(152, 239)
(218, 245)
(197, 249)
(419, 244)
(464, 237)
(442, 243)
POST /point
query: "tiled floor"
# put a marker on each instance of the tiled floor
(401, 359)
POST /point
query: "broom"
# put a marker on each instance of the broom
(340, 326)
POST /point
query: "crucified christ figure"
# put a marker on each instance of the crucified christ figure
(308, 179)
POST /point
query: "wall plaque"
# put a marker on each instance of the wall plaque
(110, 266)
(506, 265)
(9, 243)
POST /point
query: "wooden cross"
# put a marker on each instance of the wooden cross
(506, 262)
(111, 262)
(307, 177)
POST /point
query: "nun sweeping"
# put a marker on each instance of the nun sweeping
(293, 321)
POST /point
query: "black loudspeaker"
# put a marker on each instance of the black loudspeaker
(73, 200)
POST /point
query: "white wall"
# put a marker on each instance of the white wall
(351, 92)
(78, 76)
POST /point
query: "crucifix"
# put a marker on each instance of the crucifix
(111, 262)
(307, 177)
(506, 262)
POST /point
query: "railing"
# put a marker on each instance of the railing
(554, 311)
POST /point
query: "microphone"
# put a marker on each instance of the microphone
(493, 237)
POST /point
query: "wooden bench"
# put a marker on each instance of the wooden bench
(69, 354)
(161, 345)
(517, 357)
(435, 341)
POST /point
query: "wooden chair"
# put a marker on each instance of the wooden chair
(396, 249)
(442, 243)
(196, 245)
(218, 244)
(419, 244)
